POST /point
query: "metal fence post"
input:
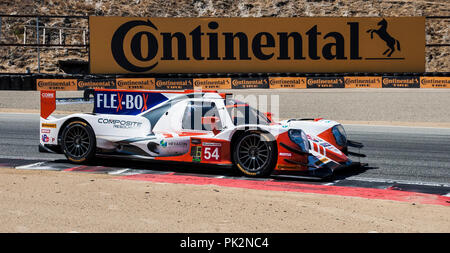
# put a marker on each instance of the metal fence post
(37, 42)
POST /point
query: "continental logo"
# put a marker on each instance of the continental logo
(401, 82)
(93, 83)
(249, 83)
(287, 82)
(363, 81)
(136, 83)
(434, 82)
(173, 84)
(56, 84)
(214, 45)
(213, 83)
(325, 82)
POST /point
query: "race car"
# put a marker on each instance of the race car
(205, 127)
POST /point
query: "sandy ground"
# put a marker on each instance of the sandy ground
(47, 201)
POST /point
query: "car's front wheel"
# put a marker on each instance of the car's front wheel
(255, 154)
(78, 142)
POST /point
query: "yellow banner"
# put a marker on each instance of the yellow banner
(287, 82)
(56, 84)
(135, 83)
(363, 81)
(434, 82)
(212, 83)
(219, 45)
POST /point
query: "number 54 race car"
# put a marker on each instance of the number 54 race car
(204, 127)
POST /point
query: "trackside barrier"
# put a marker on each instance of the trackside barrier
(79, 82)
(247, 83)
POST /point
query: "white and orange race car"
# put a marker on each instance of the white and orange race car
(193, 127)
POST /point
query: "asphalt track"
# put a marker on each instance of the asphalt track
(406, 156)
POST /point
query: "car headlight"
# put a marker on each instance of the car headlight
(340, 135)
(299, 137)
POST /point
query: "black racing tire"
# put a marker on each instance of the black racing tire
(78, 142)
(255, 154)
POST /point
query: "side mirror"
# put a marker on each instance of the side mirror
(269, 115)
(212, 121)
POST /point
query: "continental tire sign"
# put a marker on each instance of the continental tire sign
(212, 45)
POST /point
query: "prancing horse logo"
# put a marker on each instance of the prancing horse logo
(384, 35)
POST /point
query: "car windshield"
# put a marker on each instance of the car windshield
(242, 113)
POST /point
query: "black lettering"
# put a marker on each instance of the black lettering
(213, 42)
(354, 41)
(257, 45)
(284, 46)
(167, 46)
(117, 46)
(339, 46)
(312, 43)
(196, 35)
(229, 46)
(136, 46)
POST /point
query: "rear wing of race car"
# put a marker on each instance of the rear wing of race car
(49, 101)
(115, 101)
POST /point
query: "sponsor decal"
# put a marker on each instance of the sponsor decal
(212, 83)
(56, 84)
(116, 123)
(211, 144)
(363, 81)
(196, 153)
(249, 83)
(45, 131)
(401, 82)
(287, 82)
(45, 138)
(48, 125)
(163, 143)
(125, 102)
(135, 83)
(96, 84)
(173, 84)
(211, 153)
(285, 154)
(258, 45)
(325, 82)
(48, 102)
(434, 82)
(287, 167)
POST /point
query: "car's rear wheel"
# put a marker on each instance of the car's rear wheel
(78, 142)
(255, 154)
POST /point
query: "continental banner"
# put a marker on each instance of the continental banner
(249, 83)
(96, 84)
(173, 84)
(434, 82)
(325, 82)
(258, 45)
(287, 82)
(212, 83)
(56, 84)
(135, 83)
(401, 82)
(363, 81)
